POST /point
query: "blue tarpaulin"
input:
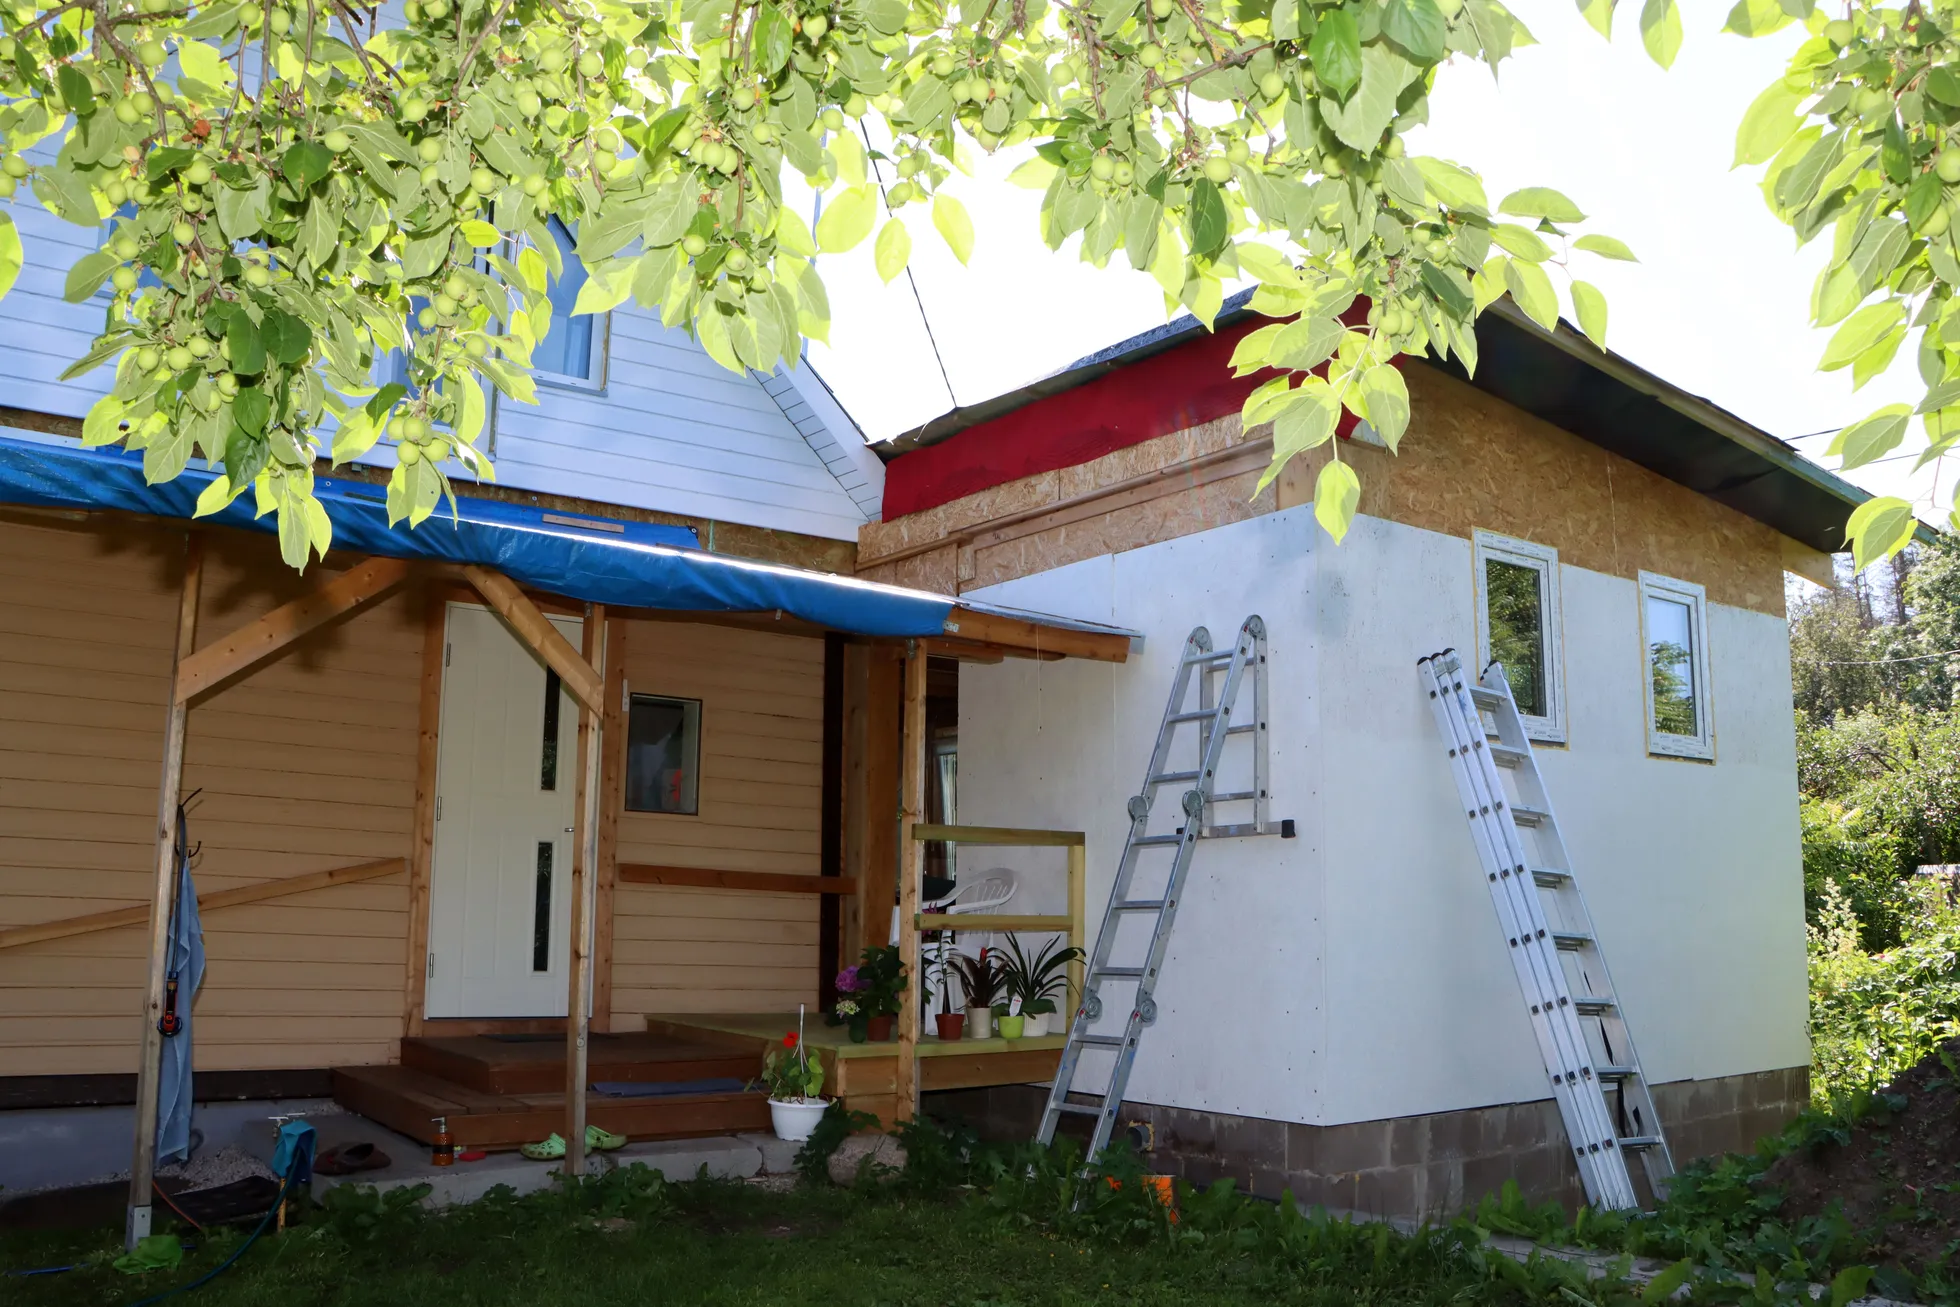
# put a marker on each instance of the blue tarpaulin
(599, 560)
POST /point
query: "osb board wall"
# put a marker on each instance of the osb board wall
(309, 763)
(1469, 461)
(694, 950)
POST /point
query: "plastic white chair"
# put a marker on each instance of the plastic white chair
(984, 892)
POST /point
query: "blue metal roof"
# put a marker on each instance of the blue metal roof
(627, 564)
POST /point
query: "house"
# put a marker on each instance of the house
(643, 652)
(1337, 1014)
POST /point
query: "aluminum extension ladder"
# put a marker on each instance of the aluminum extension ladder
(1575, 1014)
(1157, 903)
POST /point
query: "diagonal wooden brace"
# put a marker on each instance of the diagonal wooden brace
(528, 622)
(255, 642)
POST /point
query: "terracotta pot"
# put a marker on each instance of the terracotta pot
(951, 1024)
(879, 1028)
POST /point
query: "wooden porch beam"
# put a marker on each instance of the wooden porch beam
(911, 852)
(765, 882)
(149, 1068)
(256, 641)
(585, 881)
(1017, 633)
(535, 630)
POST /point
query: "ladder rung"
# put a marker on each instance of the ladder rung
(1634, 1143)
(1173, 777)
(1592, 1007)
(1235, 796)
(1153, 841)
(1079, 1109)
(1505, 756)
(1101, 1041)
(1239, 730)
(1550, 877)
(1524, 816)
(1116, 973)
(1137, 905)
(1224, 657)
(1202, 715)
(1571, 941)
(1485, 698)
(1616, 1072)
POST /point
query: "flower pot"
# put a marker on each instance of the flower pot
(979, 1022)
(1037, 1023)
(879, 1028)
(1011, 1026)
(950, 1024)
(795, 1118)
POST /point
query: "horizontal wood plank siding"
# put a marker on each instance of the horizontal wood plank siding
(702, 950)
(304, 765)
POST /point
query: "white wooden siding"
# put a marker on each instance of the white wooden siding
(671, 431)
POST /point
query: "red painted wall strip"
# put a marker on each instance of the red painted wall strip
(1182, 387)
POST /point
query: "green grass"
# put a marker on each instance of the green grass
(711, 1244)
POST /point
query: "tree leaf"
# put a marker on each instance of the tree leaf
(1540, 202)
(305, 162)
(847, 219)
(251, 409)
(481, 235)
(103, 425)
(1860, 332)
(894, 249)
(216, 497)
(1590, 306)
(1532, 290)
(10, 254)
(247, 345)
(1208, 224)
(1605, 247)
(287, 338)
(203, 63)
(1757, 18)
(76, 90)
(1521, 241)
(1417, 26)
(1361, 121)
(1660, 31)
(1878, 529)
(849, 154)
(1336, 52)
(1768, 124)
(1871, 437)
(1455, 187)
(87, 275)
(773, 39)
(1336, 494)
(1599, 13)
(1387, 398)
(950, 217)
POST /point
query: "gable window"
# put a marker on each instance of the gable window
(1674, 632)
(574, 352)
(663, 755)
(1518, 626)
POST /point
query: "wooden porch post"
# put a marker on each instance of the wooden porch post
(142, 1167)
(585, 886)
(911, 855)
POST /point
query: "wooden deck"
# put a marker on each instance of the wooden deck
(499, 1092)
(865, 1075)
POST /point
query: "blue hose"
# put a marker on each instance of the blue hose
(237, 1252)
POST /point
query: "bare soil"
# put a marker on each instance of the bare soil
(1895, 1176)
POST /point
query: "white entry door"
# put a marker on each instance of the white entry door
(500, 890)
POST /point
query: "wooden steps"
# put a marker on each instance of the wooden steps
(499, 1092)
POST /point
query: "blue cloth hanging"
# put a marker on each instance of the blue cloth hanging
(183, 974)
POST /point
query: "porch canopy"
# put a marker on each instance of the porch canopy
(590, 559)
(506, 552)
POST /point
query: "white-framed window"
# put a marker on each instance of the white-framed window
(1674, 664)
(573, 354)
(663, 754)
(1518, 626)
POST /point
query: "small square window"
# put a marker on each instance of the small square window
(1674, 634)
(663, 755)
(1518, 627)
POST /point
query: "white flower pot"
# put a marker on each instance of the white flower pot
(795, 1118)
(979, 1023)
(1037, 1024)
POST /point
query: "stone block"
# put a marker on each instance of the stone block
(1408, 1138)
(1389, 1192)
(1357, 1146)
(1256, 1140)
(1303, 1146)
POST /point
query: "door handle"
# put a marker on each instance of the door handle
(571, 830)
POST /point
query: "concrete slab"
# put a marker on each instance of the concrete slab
(778, 1155)
(678, 1160)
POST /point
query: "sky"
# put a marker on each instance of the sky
(1718, 304)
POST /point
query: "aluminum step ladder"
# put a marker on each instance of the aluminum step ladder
(1153, 898)
(1575, 1012)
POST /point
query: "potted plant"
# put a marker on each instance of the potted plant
(871, 990)
(983, 982)
(951, 1024)
(1036, 981)
(795, 1083)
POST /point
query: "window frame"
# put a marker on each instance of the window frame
(1699, 747)
(601, 337)
(626, 764)
(1488, 547)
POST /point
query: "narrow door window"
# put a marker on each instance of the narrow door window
(548, 757)
(541, 911)
(1674, 631)
(1517, 585)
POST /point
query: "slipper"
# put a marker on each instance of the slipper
(350, 1159)
(551, 1150)
(602, 1141)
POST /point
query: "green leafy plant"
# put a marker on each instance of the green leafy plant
(982, 977)
(1034, 981)
(360, 1213)
(790, 1073)
(873, 986)
(837, 1124)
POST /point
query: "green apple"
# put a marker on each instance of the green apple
(693, 246)
(337, 141)
(125, 246)
(124, 279)
(590, 64)
(1218, 169)
(147, 359)
(534, 184)
(833, 119)
(198, 173)
(183, 233)
(429, 149)
(151, 53)
(257, 276)
(483, 181)
(815, 26)
(179, 358)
